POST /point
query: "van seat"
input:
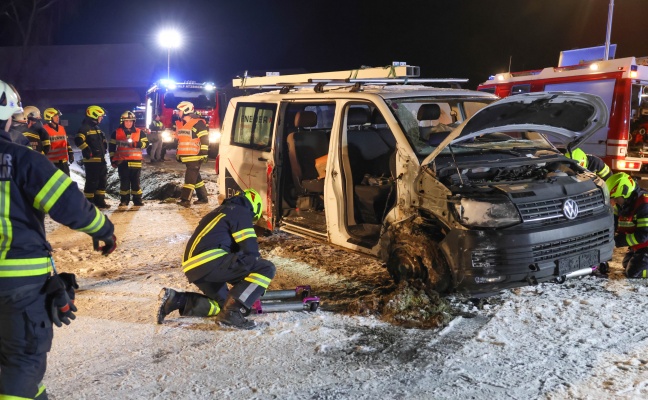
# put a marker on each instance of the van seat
(304, 146)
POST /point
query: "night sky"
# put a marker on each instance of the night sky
(461, 38)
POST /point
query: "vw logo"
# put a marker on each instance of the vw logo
(570, 209)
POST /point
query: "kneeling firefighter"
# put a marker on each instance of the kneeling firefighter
(631, 223)
(31, 298)
(223, 249)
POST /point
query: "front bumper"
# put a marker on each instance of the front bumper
(485, 261)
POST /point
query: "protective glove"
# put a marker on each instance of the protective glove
(70, 284)
(620, 241)
(87, 153)
(110, 244)
(61, 307)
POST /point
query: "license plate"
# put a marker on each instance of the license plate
(574, 263)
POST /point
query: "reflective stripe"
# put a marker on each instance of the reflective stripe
(258, 279)
(6, 228)
(41, 389)
(205, 230)
(96, 224)
(202, 258)
(215, 308)
(15, 268)
(243, 234)
(642, 222)
(644, 273)
(8, 397)
(631, 239)
(604, 171)
(52, 191)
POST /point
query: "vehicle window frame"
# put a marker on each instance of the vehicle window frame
(252, 144)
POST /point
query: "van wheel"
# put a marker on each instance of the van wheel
(409, 260)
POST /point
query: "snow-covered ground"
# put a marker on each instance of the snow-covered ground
(585, 339)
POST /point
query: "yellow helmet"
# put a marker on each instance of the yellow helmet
(95, 112)
(186, 107)
(620, 185)
(255, 201)
(578, 155)
(127, 116)
(50, 113)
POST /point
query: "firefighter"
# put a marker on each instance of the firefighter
(60, 153)
(126, 144)
(31, 298)
(18, 128)
(223, 249)
(590, 162)
(193, 145)
(92, 143)
(631, 223)
(155, 137)
(35, 133)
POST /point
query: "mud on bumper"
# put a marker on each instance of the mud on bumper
(489, 261)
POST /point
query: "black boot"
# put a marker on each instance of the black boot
(201, 193)
(231, 315)
(124, 200)
(137, 200)
(171, 301)
(100, 201)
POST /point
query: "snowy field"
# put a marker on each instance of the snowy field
(585, 339)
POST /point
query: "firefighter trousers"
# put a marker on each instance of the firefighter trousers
(248, 276)
(96, 180)
(635, 263)
(63, 166)
(129, 182)
(25, 338)
(193, 180)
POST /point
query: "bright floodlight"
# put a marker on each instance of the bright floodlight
(170, 38)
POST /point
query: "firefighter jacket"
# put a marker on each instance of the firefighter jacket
(31, 186)
(91, 141)
(156, 128)
(127, 144)
(598, 166)
(223, 233)
(60, 150)
(193, 139)
(633, 221)
(38, 137)
(16, 131)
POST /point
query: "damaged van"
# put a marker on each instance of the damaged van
(445, 185)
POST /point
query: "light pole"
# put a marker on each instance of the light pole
(169, 39)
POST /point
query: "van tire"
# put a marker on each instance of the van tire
(408, 260)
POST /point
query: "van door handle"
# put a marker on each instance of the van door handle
(262, 159)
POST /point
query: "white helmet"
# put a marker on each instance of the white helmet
(32, 112)
(9, 101)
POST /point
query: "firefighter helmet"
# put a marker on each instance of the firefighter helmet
(50, 113)
(9, 101)
(620, 185)
(186, 107)
(32, 113)
(578, 155)
(255, 201)
(95, 112)
(127, 116)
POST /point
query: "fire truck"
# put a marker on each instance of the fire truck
(622, 84)
(165, 95)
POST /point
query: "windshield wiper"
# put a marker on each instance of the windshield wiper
(482, 150)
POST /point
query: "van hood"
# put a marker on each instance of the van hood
(570, 117)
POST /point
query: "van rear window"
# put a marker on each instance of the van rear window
(253, 125)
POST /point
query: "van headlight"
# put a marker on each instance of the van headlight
(492, 213)
(214, 136)
(167, 137)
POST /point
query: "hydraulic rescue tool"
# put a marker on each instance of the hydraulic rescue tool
(270, 301)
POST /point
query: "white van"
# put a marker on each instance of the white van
(367, 161)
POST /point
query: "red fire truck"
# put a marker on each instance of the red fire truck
(163, 97)
(621, 83)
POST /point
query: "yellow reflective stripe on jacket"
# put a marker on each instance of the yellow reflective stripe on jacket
(625, 224)
(21, 267)
(202, 258)
(258, 279)
(6, 228)
(604, 171)
(243, 234)
(8, 397)
(205, 231)
(642, 222)
(52, 191)
(96, 224)
(632, 241)
(214, 308)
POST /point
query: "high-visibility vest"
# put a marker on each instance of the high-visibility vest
(127, 150)
(187, 144)
(58, 143)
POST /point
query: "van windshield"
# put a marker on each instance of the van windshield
(426, 121)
